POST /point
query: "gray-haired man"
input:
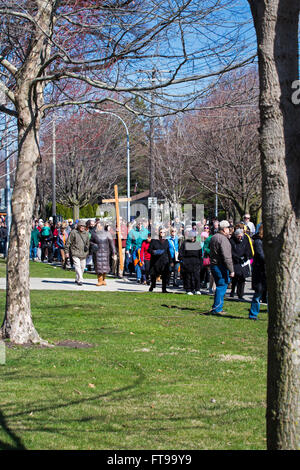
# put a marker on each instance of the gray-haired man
(78, 243)
(221, 264)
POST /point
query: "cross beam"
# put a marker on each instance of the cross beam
(116, 200)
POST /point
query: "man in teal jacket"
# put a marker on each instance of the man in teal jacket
(134, 241)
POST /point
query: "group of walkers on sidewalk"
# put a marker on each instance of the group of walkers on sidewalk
(198, 256)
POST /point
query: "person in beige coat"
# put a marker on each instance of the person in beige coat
(78, 245)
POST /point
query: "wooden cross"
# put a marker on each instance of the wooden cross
(116, 201)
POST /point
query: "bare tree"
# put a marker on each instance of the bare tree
(225, 149)
(47, 46)
(172, 163)
(90, 158)
(276, 25)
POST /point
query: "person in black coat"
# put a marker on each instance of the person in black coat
(190, 257)
(259, 282)
(160, 260)
(241, 252)
(3, 238)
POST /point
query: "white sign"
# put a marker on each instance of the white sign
(152, 202)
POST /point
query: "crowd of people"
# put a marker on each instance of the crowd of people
(198, 256)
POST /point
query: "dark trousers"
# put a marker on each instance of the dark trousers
(47, 251)
(191, 281)
(204, 275)
(164, 278)
(174, 269)
(238, 283)
(146, 271)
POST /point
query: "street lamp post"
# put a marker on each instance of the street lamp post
(128, 157)
(216, 208)
(54, 170)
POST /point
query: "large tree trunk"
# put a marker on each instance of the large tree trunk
(276, 24)
(28, 96)
(18, 325)
(75, 212)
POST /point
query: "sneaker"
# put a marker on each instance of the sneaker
(150, 289)
(190, 293)
(197, 292)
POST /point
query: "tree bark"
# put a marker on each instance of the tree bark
(28, 99)
(276, 26)
(18, 325)
(75, 212)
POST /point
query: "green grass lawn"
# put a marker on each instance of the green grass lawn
(45, 270)
(155, 374)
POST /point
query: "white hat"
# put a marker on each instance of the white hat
(224, 224)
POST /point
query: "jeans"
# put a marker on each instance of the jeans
(221, 277)
(255, 305)
(146, 271)
(175, 269)
(3, 247)
(138, 272)
(33, 252)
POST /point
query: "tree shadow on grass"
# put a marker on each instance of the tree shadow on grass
(44, 406)
(18, 445)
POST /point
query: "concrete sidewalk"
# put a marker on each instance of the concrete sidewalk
(113, 285)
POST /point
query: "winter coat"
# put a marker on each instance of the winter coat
(3, 233)
(190, 255)
(46, 237)
(145, 255)
(258, 267)
(78, 243)
(135, 238)
(60, 239)
(174, 247)
(241, 252)
(206, 246)
(104, 244)
(160, 256)
(35, 237)
(220, 252)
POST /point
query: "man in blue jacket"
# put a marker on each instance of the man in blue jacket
(174, 249)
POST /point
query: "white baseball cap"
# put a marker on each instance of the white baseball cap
(224, 224)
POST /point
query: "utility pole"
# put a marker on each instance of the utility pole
(128, 155)
(151, 156)
(216, 208)
(54, 169)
